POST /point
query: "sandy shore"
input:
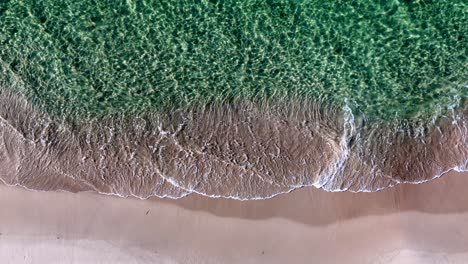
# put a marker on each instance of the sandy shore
(424, 223)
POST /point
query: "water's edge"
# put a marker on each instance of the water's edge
(246, 152)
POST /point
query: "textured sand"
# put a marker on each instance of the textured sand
(424, 223)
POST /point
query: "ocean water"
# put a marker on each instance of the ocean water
(241, 99)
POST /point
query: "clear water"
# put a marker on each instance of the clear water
(241, 99)
(385, 59)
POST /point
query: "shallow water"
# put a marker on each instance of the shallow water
(246, 151)
(240, 99)
(386, 59)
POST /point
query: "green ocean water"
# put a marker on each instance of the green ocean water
(385, 59)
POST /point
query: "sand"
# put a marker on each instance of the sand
(425, 223)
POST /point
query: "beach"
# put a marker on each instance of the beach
(233, 131)
(423, 223)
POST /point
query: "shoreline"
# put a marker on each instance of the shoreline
(404, 224)
(450, 171)
(246, 152)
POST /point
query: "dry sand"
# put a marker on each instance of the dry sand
(425, 223)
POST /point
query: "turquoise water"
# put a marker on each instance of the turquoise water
(385, 59)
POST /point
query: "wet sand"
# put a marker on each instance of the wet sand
(425, 223)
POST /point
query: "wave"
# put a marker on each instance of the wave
(248, 150)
